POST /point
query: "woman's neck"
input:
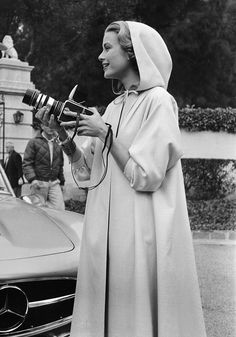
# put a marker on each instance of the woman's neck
(130, 81)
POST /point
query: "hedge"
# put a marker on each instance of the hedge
(207, 179)
(75, 206)
(199, 119)
(209, 215)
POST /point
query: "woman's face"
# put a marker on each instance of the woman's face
(114, 59)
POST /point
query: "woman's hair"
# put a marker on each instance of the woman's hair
(121, 28)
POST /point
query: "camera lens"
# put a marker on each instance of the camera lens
(37, 100)
(56, 108)
(30, 97)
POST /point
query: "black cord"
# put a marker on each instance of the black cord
(76, 125)
(118, 125)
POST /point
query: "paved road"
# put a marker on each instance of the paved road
(216, 265)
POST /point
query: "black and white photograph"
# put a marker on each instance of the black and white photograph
(118, 168)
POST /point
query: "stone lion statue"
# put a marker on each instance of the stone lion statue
(7, 48)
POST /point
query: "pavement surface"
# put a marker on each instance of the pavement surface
(216, 266)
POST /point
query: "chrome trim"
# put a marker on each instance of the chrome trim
(38, 99)
(4, 192)
(48, 327)
(42, 329)
(37, 279)
(15, 311)
(50, 301)
(50, 102)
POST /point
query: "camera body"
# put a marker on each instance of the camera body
(36, 99)
(72, 106)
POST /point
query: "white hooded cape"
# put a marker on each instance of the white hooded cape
(137, 274)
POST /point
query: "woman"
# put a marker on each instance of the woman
(137, 275)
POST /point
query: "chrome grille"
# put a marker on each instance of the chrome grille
(50, 305)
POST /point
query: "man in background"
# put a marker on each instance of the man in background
(43, 168)
(13, 168)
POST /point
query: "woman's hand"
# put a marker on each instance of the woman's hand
(89, 125)
(48, 119)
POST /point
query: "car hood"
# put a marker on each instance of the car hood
(27, 231)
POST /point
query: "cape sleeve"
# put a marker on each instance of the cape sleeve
(82, 168)
(156, 147)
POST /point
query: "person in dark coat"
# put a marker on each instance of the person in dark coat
(13, 168)
(43, 163)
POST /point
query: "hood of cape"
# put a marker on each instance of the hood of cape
(152, 55)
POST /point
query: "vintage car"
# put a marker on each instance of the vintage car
(39, 254)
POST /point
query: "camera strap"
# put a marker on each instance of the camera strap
(108, 138)
(76, 125)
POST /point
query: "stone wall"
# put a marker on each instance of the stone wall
(208, 144)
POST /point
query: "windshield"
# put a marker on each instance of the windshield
(5, 187)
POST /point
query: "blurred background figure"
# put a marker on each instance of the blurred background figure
(13, 168)
(43, 167)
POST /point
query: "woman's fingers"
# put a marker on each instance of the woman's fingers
(72, 123)
(40, 113)
(53, 123)
(46, 116)
(93, 110)
(88, 124)
(82, 120)
(67, 112)
(43, 115)
(82, 130)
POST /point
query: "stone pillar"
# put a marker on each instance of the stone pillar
(14, 81)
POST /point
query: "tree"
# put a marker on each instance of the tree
(62, 39)
(203, 50)
(63, 43)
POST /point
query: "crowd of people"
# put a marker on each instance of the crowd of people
(137, 274)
